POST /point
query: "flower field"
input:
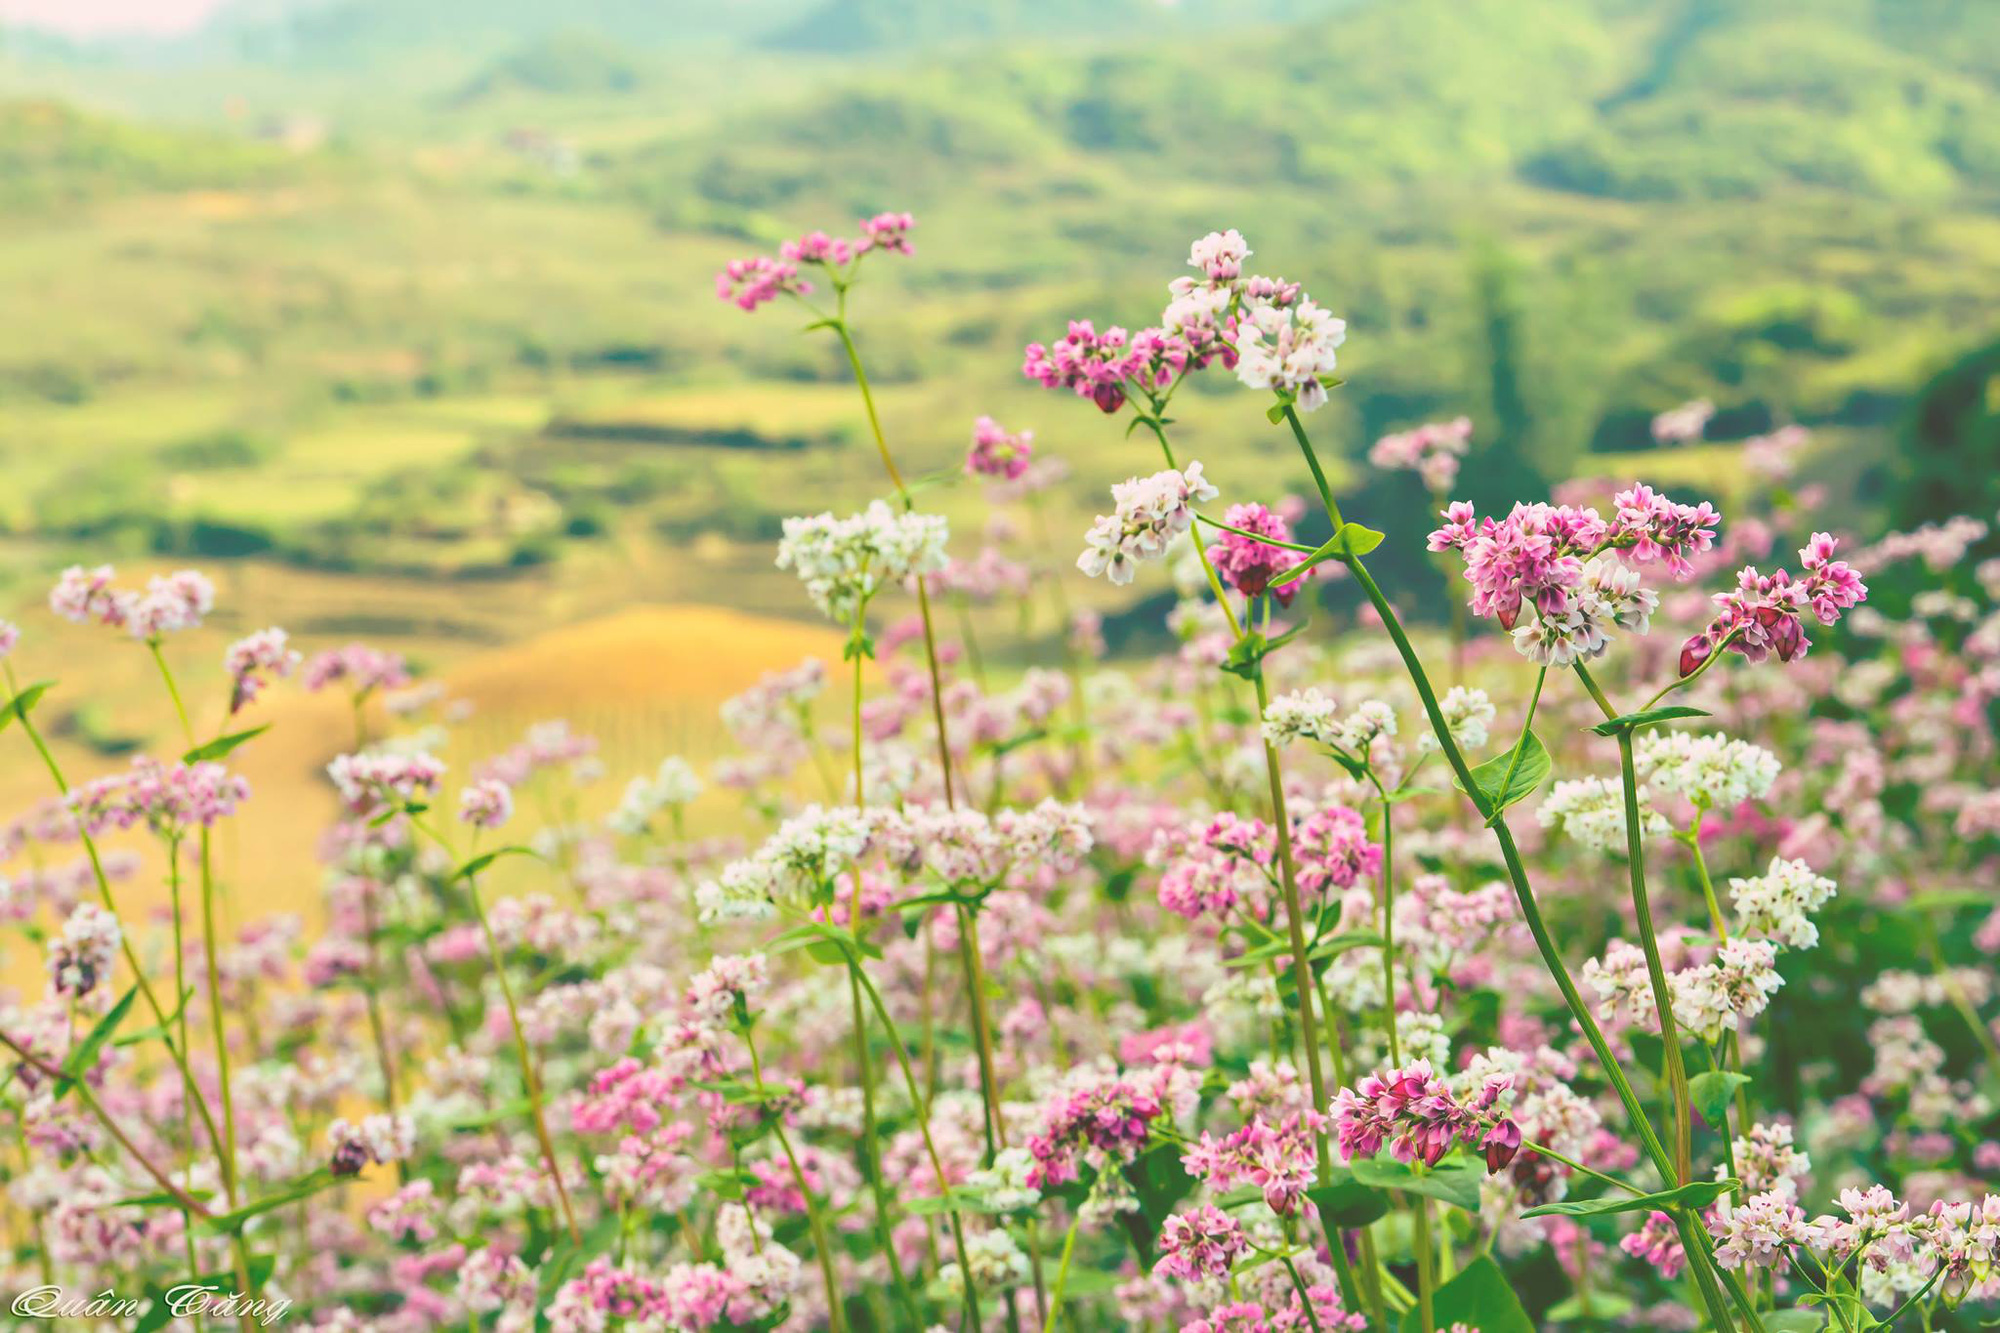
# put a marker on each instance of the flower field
(1604, 944)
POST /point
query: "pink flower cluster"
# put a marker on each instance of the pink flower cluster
(1433, 451)
(254, 657)
(1200, 1245)
(998, 452)
(1537, 553)
(1765, 613)
(167, 798)
(171, 602)
(1418, 1116)
(1332, 849)
(367, 781)
(1094, 365)
(1253, 567)
(1101, 1122)
(1280, 1157)
(361, 668)
(751, 282)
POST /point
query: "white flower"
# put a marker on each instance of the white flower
(1592, 810)
(1299, 715)
(1713, 771)
(1289, 349)
(1467, 715)
(1004, 1186)
(1776, 904)
(674, 784)
(1720, 995)
(845, 561)
(1608, 596)
(1150, 512)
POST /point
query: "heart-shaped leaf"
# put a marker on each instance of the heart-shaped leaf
(1480, 1297)
(1711, 1092)
(1528, 770)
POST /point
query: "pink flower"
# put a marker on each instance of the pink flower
(1101, 1122)
(1658, 1242)
(363, 668)
(1201, 1244)
(1414, 1111)
(250, 658)
(1332, 849)
(888, 231)
(997, 453)
(1280, 1157)
(1094, 365)
(486, 804)
(751, 282)
(1766, 613)
(83, 595)
(1253, 567)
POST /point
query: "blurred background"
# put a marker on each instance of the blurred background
(397, 316)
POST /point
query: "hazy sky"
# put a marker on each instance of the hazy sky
(93, 17)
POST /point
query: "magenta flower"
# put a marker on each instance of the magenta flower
(888, 231)
(1417, 1115)
(1765, 614)
(1201, 1244)
(1093, 365)
(362, 668)
(1279, 1157)
(1253, 567)
(996, 452)
(251, 658)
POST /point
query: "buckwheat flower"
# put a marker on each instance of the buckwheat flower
(1648, 527)
(1332, 850)
(374, 780)
(171, 602)
(1253, 567)
(361, 668)
(10, 635)
(1150, 513)
(1099, 1121)
(751, 282)
(381, 1139)
(1767, 1161)
(1760, 1232)
(491, 1279)
(887, 231)
(85, 952)
(1765, 614)
(83, 595)
(726, 987)
(411, 1213)
(1713, 772)
(674, 785)
(1279, 1157)
(1212, 865)
(253, 658)
(1356, 733)
(1468, 714)
(1299, 715)
(1433, 451)
(844, 562)
(998, 452)
(1624, 987)
(1592, 810)
(1289, 349)
(1003, 1187)
(1778, 904)
(1417, 1114)
(816, 247)
(1658, 1242)
(1220, 255)
(486, 804)
(1093, 365)
(1678, 425)
(996, 1261)
(1719, 996)
(167, 799)
(1200, 1244)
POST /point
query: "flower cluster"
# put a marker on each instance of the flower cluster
(1765, 613)
(1419, 1116)
(844, 562)
(1433, 451)
(1150, 512)
(1254, 567)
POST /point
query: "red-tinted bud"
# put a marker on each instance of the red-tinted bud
(1693, 653)
(1108, 397)
(1501, 1143)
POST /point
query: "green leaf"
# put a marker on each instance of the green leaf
(304, 1187)
(724, 1184)
(84, 1056)
(485, 859)
(1646, 717)
(1528, 774)
(1353, 539)
(222, 745)
(1794, 1321)
(19, 705)
(1700, 1194)
(1481, 1297)
(1454, 1181)
(1711, 1093)
(159, 1198)
(1601, 1305)
(1344, 1201)
(158, 1031)
(1159, 1181)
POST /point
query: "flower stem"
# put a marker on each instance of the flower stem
(1062, 1274)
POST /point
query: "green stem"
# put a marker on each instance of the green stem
(1062, 1274)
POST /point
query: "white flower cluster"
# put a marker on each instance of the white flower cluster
(674, 784)
(1311, 715)
(1149, 513)
(846, 561)
(1777, 905)
(996, 1260)
(1592, 810)
(1610, 596)
(1003, 1187)
(1468, 714)
(1289, 348)
(1720, 995)
(1714, 771)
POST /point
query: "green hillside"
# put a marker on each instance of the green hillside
(363, 336)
